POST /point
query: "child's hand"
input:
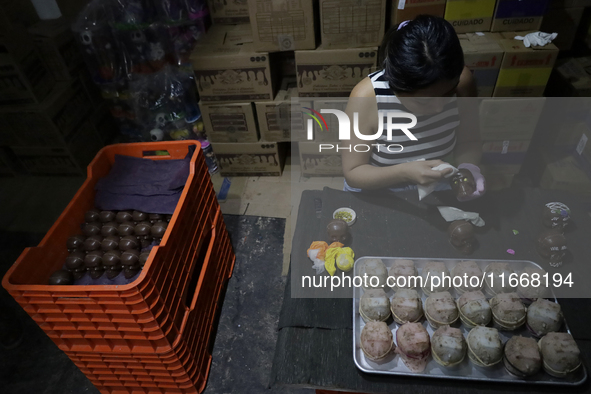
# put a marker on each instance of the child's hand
(422, 173)
(478, 178)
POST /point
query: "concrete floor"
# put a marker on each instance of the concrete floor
(274, 197)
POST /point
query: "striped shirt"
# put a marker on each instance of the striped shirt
(436, 133)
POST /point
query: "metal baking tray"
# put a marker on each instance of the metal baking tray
(394, 366)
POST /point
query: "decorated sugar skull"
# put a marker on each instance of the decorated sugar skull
(556, 216)
(337, 230)
(376, 340)
(463, 184)
(551, 245)
(156, 135)
(160, 119)
(522, 356)
(374, 306)
(448, 346)
(461, 236)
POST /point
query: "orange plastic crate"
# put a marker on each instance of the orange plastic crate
(158, 295)
(186, 368)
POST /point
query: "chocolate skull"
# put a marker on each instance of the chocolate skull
(143, 233)
(139, 216)
(123, 217)
(93, 243)
(130, 258)
(91, 229)
(556, 216)
(551, 245)
(92, 215)
(112, 263)
(337, 230)
(110, 228)
(75, 243)
(94, 263)
(144, 256)
(61, 277)
(168, 218)
(155, 217)
(75, 264)
(131, 271)
(461, 236)
(110, 243)
(128, 242)
(158, 230)
(125, 229)
(463, 184)
(107, 216)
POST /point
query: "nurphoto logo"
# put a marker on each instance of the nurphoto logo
(344, 132)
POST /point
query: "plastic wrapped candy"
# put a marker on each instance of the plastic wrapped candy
(100, 50)
(333, 252)
(146, 46)
(163, 101)
(183, 37)
(316, 253)
(127, 13)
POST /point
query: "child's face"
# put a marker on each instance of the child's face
(429, 100)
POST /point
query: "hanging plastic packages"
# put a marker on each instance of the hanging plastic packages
(100, 50)
(162, 101)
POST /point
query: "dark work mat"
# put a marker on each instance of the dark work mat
(400, 226)
(321, 358)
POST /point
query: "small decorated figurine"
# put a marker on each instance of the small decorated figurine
(461, 236)
(463, 184)
(338, 231)
(551, 245)
(556, 216)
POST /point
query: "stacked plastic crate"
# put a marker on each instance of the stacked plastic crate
(152, 335)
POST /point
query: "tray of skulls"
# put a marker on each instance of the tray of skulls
(475, 325)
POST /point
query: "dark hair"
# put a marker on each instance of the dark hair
(420, 53)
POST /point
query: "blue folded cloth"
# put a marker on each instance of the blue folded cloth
(152, 186)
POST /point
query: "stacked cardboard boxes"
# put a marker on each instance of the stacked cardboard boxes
(470, 16)
(231, 75)
(516, 15)
(483, 55)
(407, 10)
(506, 129)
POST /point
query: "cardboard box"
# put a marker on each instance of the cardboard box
(24, 78)
(516, 15)
(52, 122)
(227, 68)
(509, 119)
(333, 72)
(565, 174)
(410, 9)
(55, 42)
(524, 71)
(229, 122)
(315, 162)
(282, 25)
(575, 76)
(470, 15)
(250, 159)
(483, 56)
(504, 157)
(352, 23)
(71, 159)
(569, 3)
(278, 121)
(228, 12)
(565, 22)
